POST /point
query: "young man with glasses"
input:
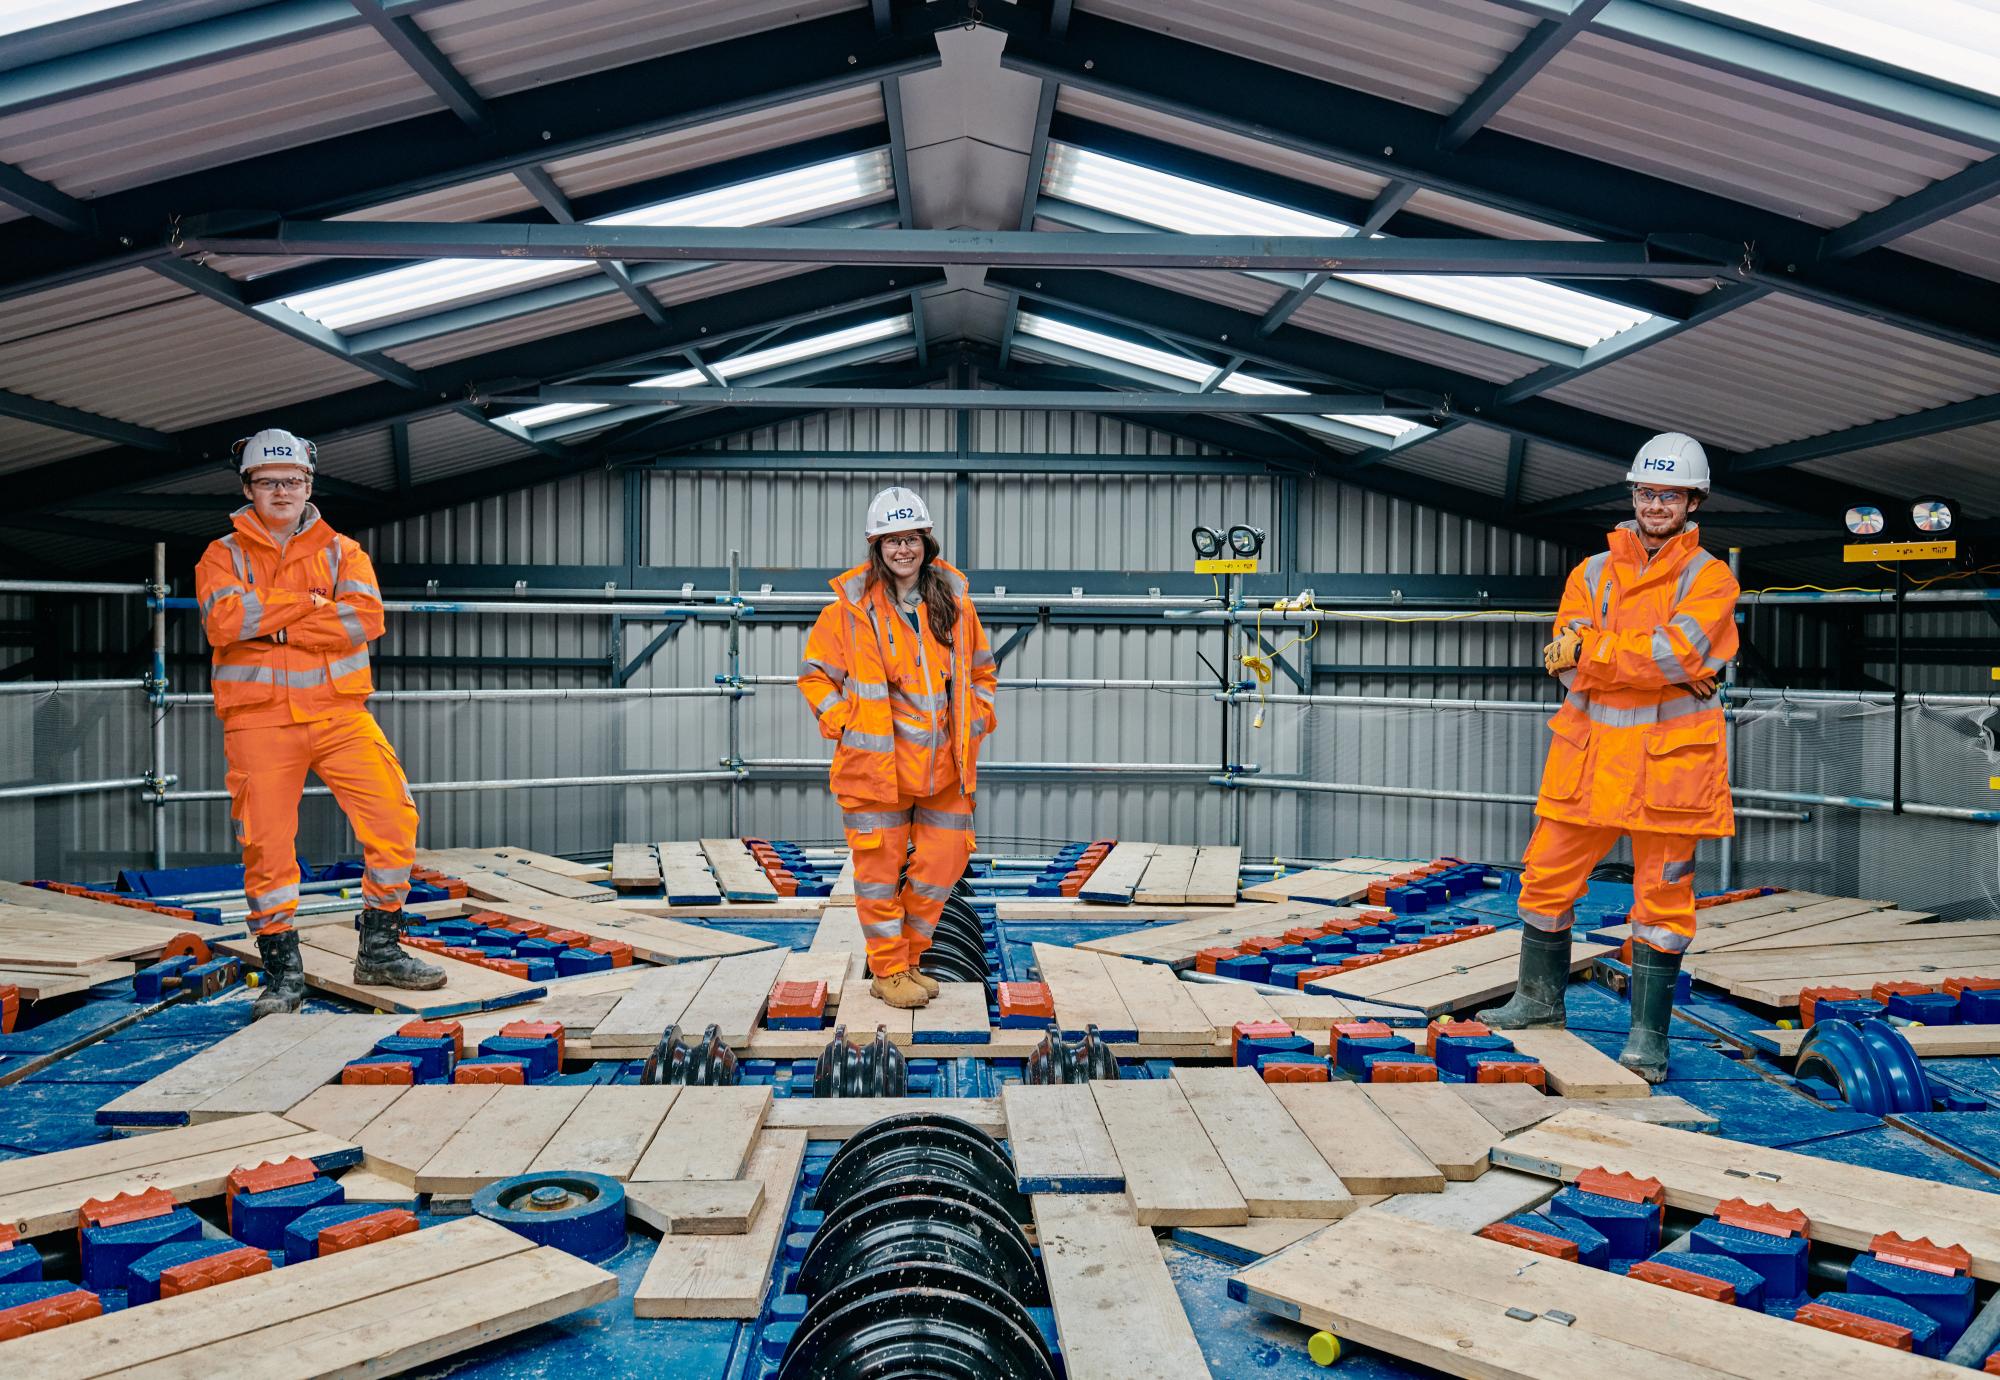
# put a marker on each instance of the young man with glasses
(1638, 749)
(290, 606)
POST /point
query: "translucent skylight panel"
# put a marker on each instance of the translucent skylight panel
(1181, 367)
(755, 362)
(1178, 203)
(18, 16)
(788, 195)
(1952, 40)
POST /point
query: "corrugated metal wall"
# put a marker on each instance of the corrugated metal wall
(1080, 521)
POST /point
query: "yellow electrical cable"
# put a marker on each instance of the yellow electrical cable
(1816, 589)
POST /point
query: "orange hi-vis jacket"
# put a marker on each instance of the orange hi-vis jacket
(891, 696)
(280, 655)
(1633, 747)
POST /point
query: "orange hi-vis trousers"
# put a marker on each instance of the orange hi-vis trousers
(897, 923)
(1559, 861)
(267, 775)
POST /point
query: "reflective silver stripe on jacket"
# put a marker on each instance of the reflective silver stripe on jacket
(875, 891)
(213, 599)
(270, 900)
(883, 929)
(1551, 924)
(253, 615)
(1677, 871)
(833, 697)
(333, 562)
(1593, 577)
(868, 689)
(351, 621)
(243, 571)
(930, 891)
(982, 658)
(919, 702)
(1661, 938)
(356, 587)
(922, 737)
(864, 820)
(269, 675)
(356, 660)
(944, 819)
(825, 668)
(868, 742)
(1680, 706)
(389, 877)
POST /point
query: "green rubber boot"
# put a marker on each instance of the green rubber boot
(1538, 996)
(1654, 977)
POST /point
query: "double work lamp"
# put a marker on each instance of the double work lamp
(1242, 540)
(1929, 516)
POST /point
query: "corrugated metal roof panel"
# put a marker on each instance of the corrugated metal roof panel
(1473, 457)
(1417, 342)
(24, 445)
(489, 198)
(172, 366)
(591, 311)
(752, 132)
(507, 45)
(365, 458)
(449, 444)
(1969, 241)
(64, 551)
(1744, 139)
(710, 282)
(1956, 464)
(1778, 370)
(214, 114)
(1487, 220)
(1551, 472)
(91, 300)
(197, 523)
(1207, 139)
(219, 478)
(1431, 55)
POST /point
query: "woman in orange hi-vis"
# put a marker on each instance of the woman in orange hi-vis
(899, 674)
(290, 606)
(1638, 748)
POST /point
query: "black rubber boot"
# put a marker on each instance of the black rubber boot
(1654, 977)
(1538, 996)
(382, 962)
(284, 983)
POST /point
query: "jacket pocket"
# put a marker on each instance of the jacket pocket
(1569, 744)
(1684, 767)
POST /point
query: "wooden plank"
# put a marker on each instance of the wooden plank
(1118, 1316)
(697, 1207)
(1439, 1298)
(1076, 908)
(501, 1139)
(1313, 884)
(634, 1026)
(737, 872)
(633, 867)
(342, 1111)
(1059, 1141)
(1083, 993)
(408, 1328)
(41, 984)
(1836, 960)
(1847, 1205)
(1877, 927)
(1165, 880)
(1470, 1204)
(36, 1212)
(1258, 1237)
(34, 1172)
(364, 1185)
(1576, 1068)
(652, 938)
(1711, 935)
(685, 877)
(807, 1044)
(1452, 1136)
(1224, 1004)
(608, 1132)
(956, 1015)
(1784, 991)
(707, 1276)
(1117, 877)
(1365, 1148)
(1173, 1175)
(329, 963)
(405, 1137)
(168, 1096)
(839, 932)
(1929, 1041)
(1160, 1007)
(1213, 879)
(707, 1135)
(33, 938)
(831, 968)
(1310, 1011)
(837, 1118)
(509, 854)
(784, 908)
(1515, 1107)
(734, 996)
(1458, 991)
(61, 903)
(843, 882)
(1274, 1164)
(313, 1062)
(862, 1012)
(475, 870)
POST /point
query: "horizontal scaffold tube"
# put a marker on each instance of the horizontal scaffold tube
(649, 778)
(796, 764)
(37, 792)
(674, 692)
(1452, 794)
(67, 687)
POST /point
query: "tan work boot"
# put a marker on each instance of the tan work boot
(899, 990)
(923, 980)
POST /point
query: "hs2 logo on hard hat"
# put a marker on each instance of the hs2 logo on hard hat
(1657, 463)
(900, 515)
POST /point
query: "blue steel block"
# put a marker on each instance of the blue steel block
(1335, 944)
(147, 983)
(1859, 1010)
(1948, 1298)
(454, 928)
(107, 1252)
(1287, 974)
(1249, 1051)
(1412, 928)
(1591, 1247)
(1932, 1008)
(1372, 934)
(1352, 1055)
(1250, 967)
(302, 1236)
(539, 969)
(1926, 1333)
(1632, 1229)
(1454, 1050)
(260, 1219)
(20, 1263)
(1979, 1008)
(540, 948)
(433, 1056)
(143, 1278)
(505, 939)
(539, 1055)
(1748, 1283)
(1289, 953)
(570, 962)
(1434, 892)
(1781, 1260)
(1265, 1061)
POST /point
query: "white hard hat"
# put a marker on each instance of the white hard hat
(275, 446)
(897, 510)
(1673, 459)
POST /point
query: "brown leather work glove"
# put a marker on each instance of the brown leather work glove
(1563, 653)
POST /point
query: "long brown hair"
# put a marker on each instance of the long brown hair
(940, 604)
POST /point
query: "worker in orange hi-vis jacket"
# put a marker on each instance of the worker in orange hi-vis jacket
(1638, 749)
(899, 674)
(290, 606)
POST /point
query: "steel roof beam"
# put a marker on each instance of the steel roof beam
(1910, 427)
(82, 423)
(938, 399)
(1152, 70)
